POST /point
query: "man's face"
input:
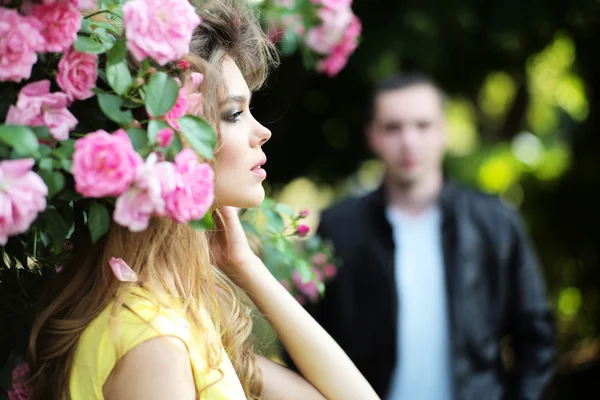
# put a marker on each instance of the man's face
(408, 133)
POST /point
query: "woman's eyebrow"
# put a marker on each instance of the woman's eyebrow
(239, 98)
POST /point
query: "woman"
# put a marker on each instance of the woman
(179, 331)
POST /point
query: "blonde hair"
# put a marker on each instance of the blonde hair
(175, 258)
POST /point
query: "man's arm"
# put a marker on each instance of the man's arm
(532, 322)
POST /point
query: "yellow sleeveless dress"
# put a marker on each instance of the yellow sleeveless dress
(97, 352)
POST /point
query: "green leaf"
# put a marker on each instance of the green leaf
(42, 132)
(98, 221)
(46, 163)
(106, 26)
(303, 268)
(160, 94)
(176, 146)
(289, 43)
(21, 139)
(117, 70)
(57, 226)
(111, 106)
(85, 44)
(106, 38)
(155, 126)
(274, 221)
(138, 137)
(86, 26)
(204, 223)
(285, 209)
(66, 149)
(200, 134)
(54, 180)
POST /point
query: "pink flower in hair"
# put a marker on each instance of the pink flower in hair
(178, 110)
(333, 4)
(20, 390)
(77, 74)
(164, 137)
(20, 40)
(104, 164)
(60, 23)
(36, 106)
(153, 181)
(159, 29)
(22, 197)
(194, 192)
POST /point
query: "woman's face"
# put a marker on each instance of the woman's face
(238, 165)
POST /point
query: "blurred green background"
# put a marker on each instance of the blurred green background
(523, 82)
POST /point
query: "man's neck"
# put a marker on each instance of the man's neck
(417, 197)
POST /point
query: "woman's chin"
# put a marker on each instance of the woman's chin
(249, 199)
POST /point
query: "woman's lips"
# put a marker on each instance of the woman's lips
(259, 171)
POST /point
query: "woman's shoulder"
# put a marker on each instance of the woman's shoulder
(141, 317)
(116, 331)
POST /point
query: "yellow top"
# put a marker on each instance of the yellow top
(99, 349)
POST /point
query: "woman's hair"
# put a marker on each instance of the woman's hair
(167, 257)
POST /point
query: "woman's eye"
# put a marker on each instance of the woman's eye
(234, 116)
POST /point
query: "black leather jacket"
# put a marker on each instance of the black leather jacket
(493, 285)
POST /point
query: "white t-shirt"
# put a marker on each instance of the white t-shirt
(423, 369)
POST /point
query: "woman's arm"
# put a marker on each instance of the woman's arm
(318, 357)
(154, 370)
(281, 383)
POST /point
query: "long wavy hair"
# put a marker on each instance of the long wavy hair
(167, 257)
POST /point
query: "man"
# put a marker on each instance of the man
(434, 276)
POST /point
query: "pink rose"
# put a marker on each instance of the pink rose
(104, 164)
(165, 137)
(195, 104)
(60, 23)
(122, 271)
(19, 391)
(194, 192)
(333, 4)
(196, 79)
(20, 39)
(183, 64)
(22, 196)
(310, 288)
(159, 29)
(77, 74)
(36, 106)
(81, 5)
(326, 36)
(178, 110)
(304, 213)
(330, 271)
(333, 64)
(153, 181)
(302, 230)
(338, 58)
(319, 259)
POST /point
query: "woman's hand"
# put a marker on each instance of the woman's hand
(230, 247)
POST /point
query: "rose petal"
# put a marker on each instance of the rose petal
(122, 271)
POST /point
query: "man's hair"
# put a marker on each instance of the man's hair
(399, 82)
